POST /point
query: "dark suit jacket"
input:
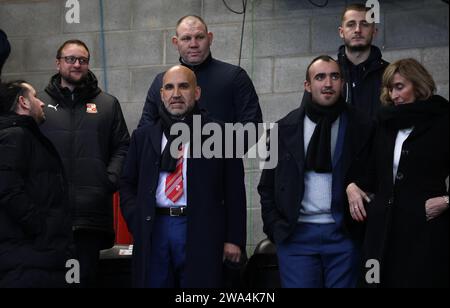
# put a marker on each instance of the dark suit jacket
(282, 188)
(216, 208)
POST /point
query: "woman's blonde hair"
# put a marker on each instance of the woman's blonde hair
(423, 84)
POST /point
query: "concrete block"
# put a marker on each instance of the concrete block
(278, 38)
(252, 164)
(394, 55)
(118, 83)
(134, 48)
(251, 182)
(116, 16)
(436, 61)
(215, 12)
(15, 62)
(158, 14)
(398, 5)
(418, 28)
(40, 52)
(31, 18)
(255, 232)
(290, 73)
(325, 35)
(38, 80)
(141, 79)
(250, 249)
(132, 114)
(442, 90)
(226, 42)
(261, 73)
(295, 7)
(276, 106)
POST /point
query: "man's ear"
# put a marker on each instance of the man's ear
(210, 38)
(375, 31)
(307, 86)
(175, 42)
(198, 93)
(341, 32)
(58, 64)
(23, 103)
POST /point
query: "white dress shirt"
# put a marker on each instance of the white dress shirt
(402, 135)
(161, 198)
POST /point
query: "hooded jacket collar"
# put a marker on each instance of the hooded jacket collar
(11, 119)
(88, 90)
(373, 63)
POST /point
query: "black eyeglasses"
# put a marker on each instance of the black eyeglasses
(73, 60)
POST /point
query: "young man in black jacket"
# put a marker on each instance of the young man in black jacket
(361, 63)
(35, 225)
(88, 129)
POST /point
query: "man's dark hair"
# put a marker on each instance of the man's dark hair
(191, 16)
(74, 42)
(325, 58)
(9, 94)
(360, 7)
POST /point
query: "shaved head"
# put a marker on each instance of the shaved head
(180, 91)
(183, 70)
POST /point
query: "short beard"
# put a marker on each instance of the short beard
(74, 82)
(358, 48)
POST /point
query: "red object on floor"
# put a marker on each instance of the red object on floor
(123, 236)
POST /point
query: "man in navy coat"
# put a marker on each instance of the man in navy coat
(229, 94)
(304, 208)
(187, 215)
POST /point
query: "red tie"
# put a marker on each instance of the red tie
(174, 181)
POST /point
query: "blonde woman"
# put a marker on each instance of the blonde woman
(407, 217)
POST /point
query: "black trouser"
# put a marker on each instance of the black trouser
(88, 245)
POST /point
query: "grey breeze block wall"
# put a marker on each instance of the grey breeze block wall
(281, 38)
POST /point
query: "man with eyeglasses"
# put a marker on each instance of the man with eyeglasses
(89, 131)
(361, 62)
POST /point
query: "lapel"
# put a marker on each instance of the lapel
(419, 130)
(340, 142)
(156, 137)
(291, 134)
(388, 154)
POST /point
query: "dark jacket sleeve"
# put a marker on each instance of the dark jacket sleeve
(272, 220)
(246, 100)
(235, 202)
(150, 113)
(119, 142)
(364, 172)
(270, 215)
(5, 49)
(129, 184)
(14, 201)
